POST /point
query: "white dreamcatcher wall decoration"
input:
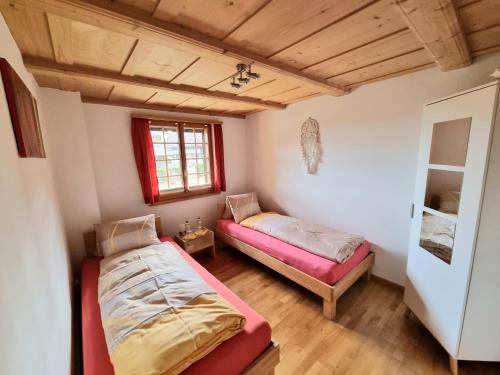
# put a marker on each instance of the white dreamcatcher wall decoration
(309, 139)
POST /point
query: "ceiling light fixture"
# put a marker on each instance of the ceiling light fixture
(243, 74)
(251, 74)
(234, 84)
(242, 79)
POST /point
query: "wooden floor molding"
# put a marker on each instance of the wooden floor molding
(371, 336)
(389, 283)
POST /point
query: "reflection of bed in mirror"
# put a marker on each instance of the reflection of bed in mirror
(437, 236)
(437, 233)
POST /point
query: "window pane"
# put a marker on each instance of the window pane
(443, 190)
(199, 135)
(167, 151)
(159, 151)
(175, 182)
(208, 178)
(206, 150)
(157, 135)
(190, 151)
(173, 151)
(192, 180)
(162, 183)
(450, 140)
(201, 179)
(201, 165)
(174, 168)
(161, 169)
(191, 166)
(188, 135)
(199, 151)
(171, 135)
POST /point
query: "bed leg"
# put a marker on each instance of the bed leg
(367, 275)
(453, 365)
(329, 309)
(218, 244)
(408, 313)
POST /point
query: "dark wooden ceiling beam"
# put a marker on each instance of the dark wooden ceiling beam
(139, 24)
(158, 107)
(436, 24)
(50, 68)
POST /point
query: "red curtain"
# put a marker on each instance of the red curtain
(145, 159)
(220, 176)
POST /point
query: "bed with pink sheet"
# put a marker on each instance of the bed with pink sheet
(231, 357)
(320, 268)
(324, 277)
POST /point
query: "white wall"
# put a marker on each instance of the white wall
(370, 142)
(72, 164)
(118, 186)
(35, 301)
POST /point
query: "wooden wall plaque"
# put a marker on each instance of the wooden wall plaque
(23, 113)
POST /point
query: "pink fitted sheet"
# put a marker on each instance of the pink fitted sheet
(320, 268)
(231, 357)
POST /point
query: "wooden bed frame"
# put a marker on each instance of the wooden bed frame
(264, 364)
(329, 293)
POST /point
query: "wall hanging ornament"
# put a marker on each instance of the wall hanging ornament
(311, 151)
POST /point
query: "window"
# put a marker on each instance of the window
(184, 159)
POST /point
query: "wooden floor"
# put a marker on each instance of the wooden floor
(371, 335)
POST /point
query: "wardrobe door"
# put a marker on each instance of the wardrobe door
(453, 153)
(480, 339)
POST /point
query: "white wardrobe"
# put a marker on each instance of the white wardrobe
(453, 270)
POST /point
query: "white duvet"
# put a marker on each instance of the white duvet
(326, 242)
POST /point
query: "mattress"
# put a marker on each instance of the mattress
(320, 268)
(231, 357)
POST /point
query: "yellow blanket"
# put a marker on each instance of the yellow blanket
(159, 316)
(174, 341)
(250, 222)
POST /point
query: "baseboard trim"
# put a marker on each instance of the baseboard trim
(392, 284)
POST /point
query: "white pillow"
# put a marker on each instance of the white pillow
(243, 206)
(128, 234)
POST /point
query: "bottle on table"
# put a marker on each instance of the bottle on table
(187, 227)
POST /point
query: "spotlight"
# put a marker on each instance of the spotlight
(235, 85)
(241, 68)
(251, 74)
(243, 79)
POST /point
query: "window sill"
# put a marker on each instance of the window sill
(166, 200)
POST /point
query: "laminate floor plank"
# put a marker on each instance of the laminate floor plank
(371, 336)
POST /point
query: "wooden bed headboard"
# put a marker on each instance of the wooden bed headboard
(90, 240)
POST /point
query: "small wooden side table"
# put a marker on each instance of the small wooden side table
(203, 242)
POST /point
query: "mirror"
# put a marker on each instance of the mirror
(450, 140)
(443, 190)
(437, 236)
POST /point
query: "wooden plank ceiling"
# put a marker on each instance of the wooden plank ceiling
(180, 55)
